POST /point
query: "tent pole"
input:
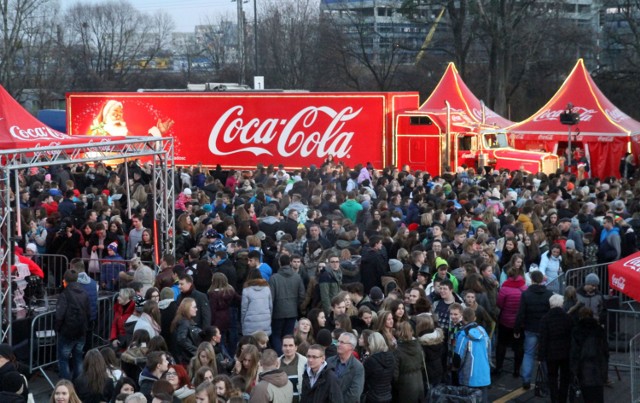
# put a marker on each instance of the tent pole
(18, 212)
(126, 175)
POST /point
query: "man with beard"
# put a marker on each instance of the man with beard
(110, 122)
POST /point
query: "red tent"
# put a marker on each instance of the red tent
(624, 276)
(19, 129)
(451, 88)
(604, 132)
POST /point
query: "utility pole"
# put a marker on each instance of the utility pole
(255, 36)
(241, 41)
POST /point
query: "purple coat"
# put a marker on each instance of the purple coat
(509, 300)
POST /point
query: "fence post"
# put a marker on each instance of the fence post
(634, 363)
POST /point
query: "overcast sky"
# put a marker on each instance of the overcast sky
(186, 13)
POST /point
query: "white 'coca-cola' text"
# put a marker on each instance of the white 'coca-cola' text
(618, 281)
(299, 135)
(36, 133)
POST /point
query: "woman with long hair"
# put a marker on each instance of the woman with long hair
(95, 384)
(399, 312)
(145, 249)
(508, 250)
(204, 374)
(125, 386)
(408, 385)
(222, 297)
(247, 366)
(550, 266)
(135, 356)
(150, 319)
(181, 328)
(531, 251)
(115, 229)
(433, 343)
(64, 392)
(517, 262)
(179, 380)
(185, 235)
(223, 386)
(385, 326)
(303, 332)
(318, 320)
(205, 357)
(224, 359)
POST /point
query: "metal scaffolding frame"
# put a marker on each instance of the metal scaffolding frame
(160, 149)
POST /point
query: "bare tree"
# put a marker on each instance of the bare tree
(15, 16)
(288, 40)
(366, 53)
(111, 41)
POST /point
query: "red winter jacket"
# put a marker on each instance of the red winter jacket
(120, 316)
(509, 301)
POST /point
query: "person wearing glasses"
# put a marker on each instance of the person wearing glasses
(319, 383)
(348, 369)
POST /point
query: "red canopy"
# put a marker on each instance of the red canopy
(19, 129)
(451, 88)
(603, 129)
(624, 276)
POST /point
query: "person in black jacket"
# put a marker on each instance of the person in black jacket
(188, 290)
(433, 346)
(554, 347)
(534, 304)
(73, 314)
(378, 370)
(182, 332)
(319, 384)
(590, 356)
(373, 265)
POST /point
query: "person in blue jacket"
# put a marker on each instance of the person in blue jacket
(472, 354)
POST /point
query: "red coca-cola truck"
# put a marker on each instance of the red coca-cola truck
(242, 129)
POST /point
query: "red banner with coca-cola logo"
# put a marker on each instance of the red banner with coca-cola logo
(624, 276)
(243, 129)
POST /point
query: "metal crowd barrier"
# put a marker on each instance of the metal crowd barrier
(634, 359)
(54, 267)
(44, 340)
(106, 271)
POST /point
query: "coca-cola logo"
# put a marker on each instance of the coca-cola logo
(605, 139)
(618, 281)
(467, 156)
(585, 114)
(616, 115)
(306, 133)
(545, 137)
(488, 113)
(633, 264)
(36, 133)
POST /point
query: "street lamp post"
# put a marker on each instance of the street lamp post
(255, 35)
(569, 118)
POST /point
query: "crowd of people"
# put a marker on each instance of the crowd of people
(325, 283)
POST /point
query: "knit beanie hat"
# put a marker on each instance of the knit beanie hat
(592, 279)
(395, 265)
(441, 262)
(113, 247)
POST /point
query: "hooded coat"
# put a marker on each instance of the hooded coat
(378, 376)
(287, 291)
(256, 308)
(408, 386)
(273, 386)
(534, 304)
(433, 348)
(589, 353)
(509, 300)
(473, 347)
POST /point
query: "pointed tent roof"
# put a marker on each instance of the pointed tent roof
(598, 116)
(451, 88)
(19, 129)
